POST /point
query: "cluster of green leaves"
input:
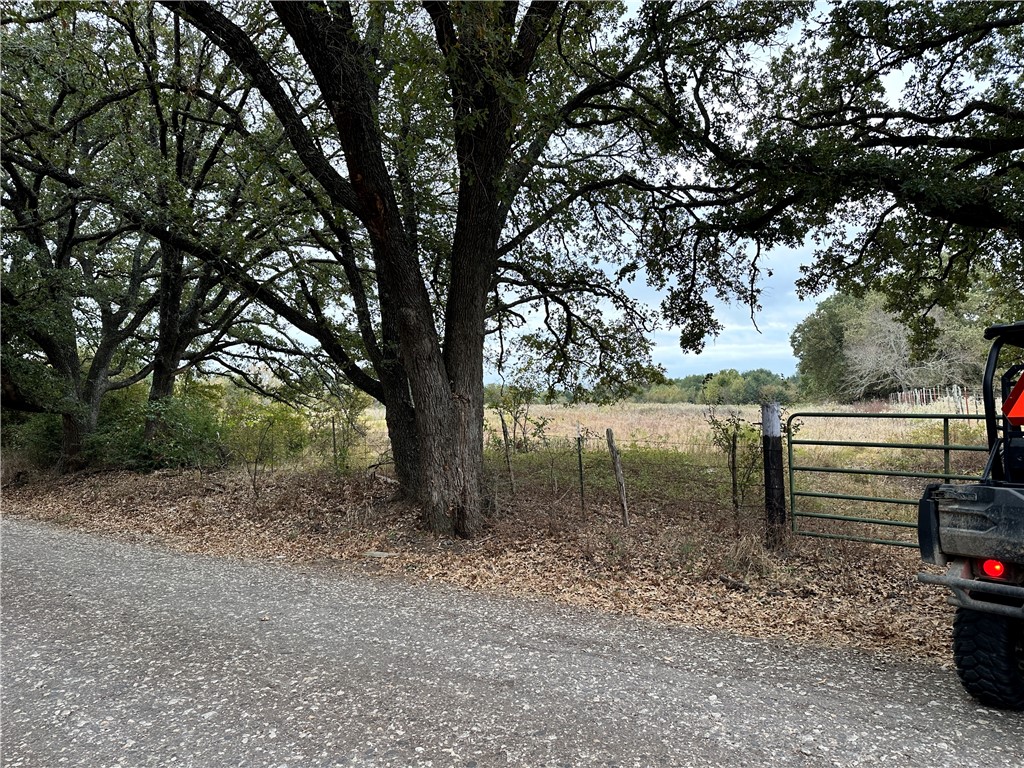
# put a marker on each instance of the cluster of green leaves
(891, 134)
(189, 435)
(520, 430)
(123, 132)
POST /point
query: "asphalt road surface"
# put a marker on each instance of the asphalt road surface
(117, 654)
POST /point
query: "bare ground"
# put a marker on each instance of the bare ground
(693, 567)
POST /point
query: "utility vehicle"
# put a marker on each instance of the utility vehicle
(977, 530)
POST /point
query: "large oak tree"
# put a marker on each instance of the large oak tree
(495, 156)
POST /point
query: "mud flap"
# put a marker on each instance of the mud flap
(928, 528)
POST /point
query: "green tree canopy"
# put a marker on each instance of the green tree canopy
(819, 343)
(893, 134)
(405, 188)
(98, 139)
(454, 171)
(853, 348)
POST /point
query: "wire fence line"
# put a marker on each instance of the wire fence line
(664, 477)
(670, 478)
(723, 474)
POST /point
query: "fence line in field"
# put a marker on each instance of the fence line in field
(651, 476)
(961, 399)
(678, 478)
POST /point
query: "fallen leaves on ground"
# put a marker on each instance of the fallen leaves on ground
(678, 566)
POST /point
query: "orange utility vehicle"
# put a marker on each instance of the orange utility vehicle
(977, 530)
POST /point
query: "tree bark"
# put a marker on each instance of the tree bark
(400, 417)
(72, 433)
(161, 389)
(168, 347)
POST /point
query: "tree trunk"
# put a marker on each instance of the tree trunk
(449, 437)
(400, 416)
(473, 257)
(75, 428)
(72, 433)
(436, 426)
(161, 389)
(451, 467)
(169, 347)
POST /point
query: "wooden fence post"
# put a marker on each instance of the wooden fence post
(579, 460)
(508, 452)
(334, 443)
(774, 484)
(617, 464)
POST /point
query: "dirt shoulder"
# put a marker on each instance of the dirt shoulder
(687, 567)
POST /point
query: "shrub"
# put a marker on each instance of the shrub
(260, 431)
(337, 425)
(187, 433)
(35, 438)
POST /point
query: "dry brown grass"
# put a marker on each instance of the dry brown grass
(686, 426)
(681, 426)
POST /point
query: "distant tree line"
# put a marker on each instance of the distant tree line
(727, 386)
(854, 347)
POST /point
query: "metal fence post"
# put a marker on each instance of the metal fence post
(945, 449)
(774, 485)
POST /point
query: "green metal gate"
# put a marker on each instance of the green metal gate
(818, 485)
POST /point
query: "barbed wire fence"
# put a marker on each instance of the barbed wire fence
(573, 476)
(576, 475)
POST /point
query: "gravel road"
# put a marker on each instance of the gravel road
(117, 654)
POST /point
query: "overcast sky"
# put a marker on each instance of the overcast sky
(740, 345)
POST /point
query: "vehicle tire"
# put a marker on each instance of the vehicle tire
(989, 653)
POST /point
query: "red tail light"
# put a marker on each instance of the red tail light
(994, 569)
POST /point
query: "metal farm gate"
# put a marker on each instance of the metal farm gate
(876, 499)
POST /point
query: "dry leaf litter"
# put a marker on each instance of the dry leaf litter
(691, 569)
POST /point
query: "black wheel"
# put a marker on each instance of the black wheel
(989, 653)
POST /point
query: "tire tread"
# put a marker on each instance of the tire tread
(989, 654)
